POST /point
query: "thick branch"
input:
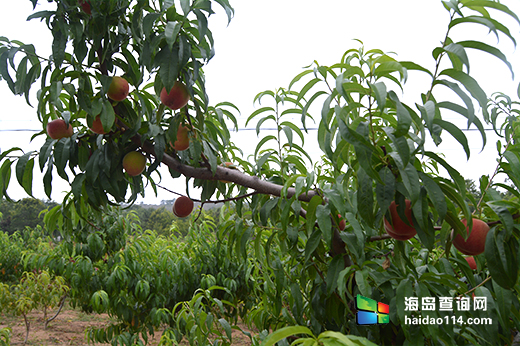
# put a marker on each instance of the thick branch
(223, 173)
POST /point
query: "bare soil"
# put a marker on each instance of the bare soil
(69, 329)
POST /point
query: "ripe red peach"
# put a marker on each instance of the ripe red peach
(183, 206)
(58, 129)
(177, 98)
(396, 227)
(476, 242)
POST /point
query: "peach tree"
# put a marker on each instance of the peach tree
(288, 209)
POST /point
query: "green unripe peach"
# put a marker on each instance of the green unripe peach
(134, 163)
(118, 89)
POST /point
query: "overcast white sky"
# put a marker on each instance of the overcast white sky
(270, 41)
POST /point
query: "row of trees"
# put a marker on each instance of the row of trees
(29, 212)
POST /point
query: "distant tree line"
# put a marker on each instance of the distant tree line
(15, 216)
(161, 219)
(27, 212)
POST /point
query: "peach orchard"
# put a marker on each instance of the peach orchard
(379, 215)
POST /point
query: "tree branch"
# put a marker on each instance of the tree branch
(223, 173)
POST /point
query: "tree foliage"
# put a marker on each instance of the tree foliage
(25, 213)
(288, 208)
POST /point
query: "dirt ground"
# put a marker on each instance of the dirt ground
(69, 329)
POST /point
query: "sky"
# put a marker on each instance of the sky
(269, 42)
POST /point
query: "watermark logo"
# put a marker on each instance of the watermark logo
(371, 312)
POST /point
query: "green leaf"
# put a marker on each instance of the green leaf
(306, 88)
(455, 175)
(61, 156)
(261, 121)
(463, 111)
(502, 258)
(471, 85)
(404, 120)
(229, 10)
(409, 65)
(514, 162)
(343, 278)
(262, 142)
(107, 116)
(4, 154)
(298, 77)
(355, 243)
(312, 243)
(212, 158)
(344, 340)
(171, 31)
(380, 93)
(185, 6)
(289, 135)
(365, 196)
(490, 23)
(335, 267)
(283, 333)
(492, 4)
(455, 132)
(295, 128)
(404, 290)
(55, 93)
(59, 44)
(5, 177)
(465, 98)
(262, 160)
(4, 71)
(488, 49)
(351, 87)
(227, 328)
(504, 215)
(47, 179)
(42, 15)
(401, 144)
(385, 191)
(27, 178)
(428, 111)
(503, 301)
(21, 165)
(202, 24)
(409, 176)
(435, 195)
(243, 241)
(356, 137)
(307, 106)
(459, 51)
(457, 198)
(422, 223)
(362, 282)
(258, 111)
(324, 222)
(148, 22)
(99, 301)
(168, 61)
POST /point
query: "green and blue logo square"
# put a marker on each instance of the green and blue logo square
(371, 312)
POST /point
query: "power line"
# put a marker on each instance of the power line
(232, 130)
(20, 130)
